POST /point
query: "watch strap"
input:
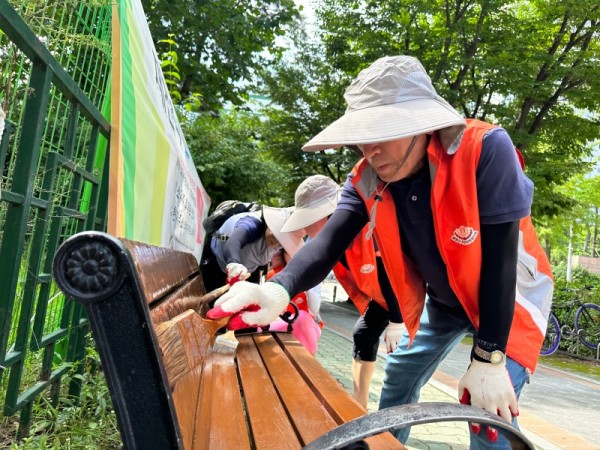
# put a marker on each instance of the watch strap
(494, 357)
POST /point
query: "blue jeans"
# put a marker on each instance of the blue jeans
(407, 370)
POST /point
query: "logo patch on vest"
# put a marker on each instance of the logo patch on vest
(367, 268)
(464, 235)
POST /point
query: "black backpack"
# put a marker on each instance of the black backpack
(224, 211)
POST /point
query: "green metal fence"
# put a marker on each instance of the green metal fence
(54, 79)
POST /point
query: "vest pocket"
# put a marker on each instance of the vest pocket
(527, 265)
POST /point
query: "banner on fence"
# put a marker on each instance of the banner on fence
(155, 194)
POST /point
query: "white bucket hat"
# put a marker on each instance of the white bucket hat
(316, 197)
(275, 218)
(391, 99)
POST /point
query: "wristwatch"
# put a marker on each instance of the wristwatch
(496, 357)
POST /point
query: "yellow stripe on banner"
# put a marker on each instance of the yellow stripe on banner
(151, 153)
(115, 181)
(161, 173)
(146, 137)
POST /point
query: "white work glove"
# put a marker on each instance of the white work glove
(488, 386)
(392, 335)
(250, 304)
(236, 272)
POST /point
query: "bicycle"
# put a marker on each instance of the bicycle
(586, 325)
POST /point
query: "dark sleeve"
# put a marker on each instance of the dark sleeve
(497, 291)
(388, 293)
(504, 192)
(250, 229)
(315, 260)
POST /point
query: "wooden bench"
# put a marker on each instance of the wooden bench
(171, 390)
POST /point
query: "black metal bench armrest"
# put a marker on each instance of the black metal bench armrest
(397, 417)
(96, 270)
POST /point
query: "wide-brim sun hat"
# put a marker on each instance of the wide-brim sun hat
(275, 218)
(391, 99)
(316, 197)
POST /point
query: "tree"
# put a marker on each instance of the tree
(305, 94)
(583, 219)
(529, 66)
(229, 160)
(220, 43)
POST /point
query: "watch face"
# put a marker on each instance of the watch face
(497, 357)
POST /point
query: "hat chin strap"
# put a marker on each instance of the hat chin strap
(378, 196)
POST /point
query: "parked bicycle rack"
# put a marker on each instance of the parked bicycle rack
(573, 337)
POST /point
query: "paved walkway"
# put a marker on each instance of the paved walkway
(561, 412)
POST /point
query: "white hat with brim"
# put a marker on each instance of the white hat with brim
(304, 217)
(316, 197)
(275, 218)
(391, 99)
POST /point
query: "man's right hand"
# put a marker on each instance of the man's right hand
(250, 305)
(488, 386)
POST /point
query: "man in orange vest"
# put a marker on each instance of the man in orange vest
(449, 205)
(361, 274)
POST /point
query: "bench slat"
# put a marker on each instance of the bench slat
(185, 399)
(168, 308)
(184, 342)
(220, 420)
(334, 397)
(160, 269)
(309, 416)
(270, 426)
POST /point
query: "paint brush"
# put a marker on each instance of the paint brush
(196, 302)
(226, 343)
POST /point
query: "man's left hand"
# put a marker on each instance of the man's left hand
(392, 335)
(236, 272)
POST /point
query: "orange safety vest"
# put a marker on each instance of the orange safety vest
(360, 281)
(456, 224)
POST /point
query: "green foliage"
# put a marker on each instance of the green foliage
(170, 68)
(581, 218)
(221, 44)
(581, 280)
(88, 422)
(229, 159)
(529, 66)
(306, 94)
